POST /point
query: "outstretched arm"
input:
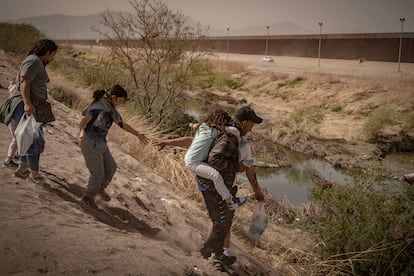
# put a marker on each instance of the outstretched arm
(141, 136)
(183, 142)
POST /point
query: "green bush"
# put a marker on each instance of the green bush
(216, 80)
(290, 83)
(302, 116)
(64, 97)
(367, 229)
(96, 73)
(178, 125)
(243, 101)
(377, 120)
(204, 76)
(409, 120)
(101, 73)
(18, 39)
(336, 108)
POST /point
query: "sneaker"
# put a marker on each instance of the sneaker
(89, 201)
(22, 175)
(10, 164)
(104, 195)
(226, 260)
(240, 201)
(206, 252)
(408, 179)
(36, 179)
(227, 251)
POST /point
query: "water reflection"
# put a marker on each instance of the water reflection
(296, 182)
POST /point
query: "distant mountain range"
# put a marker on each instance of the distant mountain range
(60, 26)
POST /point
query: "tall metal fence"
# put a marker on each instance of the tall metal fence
(368, 46)
(375, 47)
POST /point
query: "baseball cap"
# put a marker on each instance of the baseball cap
(246, 113)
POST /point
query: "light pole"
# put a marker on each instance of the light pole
(402, 19)
(228, 37)
(320, 39)
(267, 38)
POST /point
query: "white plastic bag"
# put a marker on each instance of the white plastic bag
(26, 131)
(259, 222)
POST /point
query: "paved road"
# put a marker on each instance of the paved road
(295, 65)
(299, 65)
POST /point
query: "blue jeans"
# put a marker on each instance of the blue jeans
(31, 161)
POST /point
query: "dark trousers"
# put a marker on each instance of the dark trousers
(222, 217)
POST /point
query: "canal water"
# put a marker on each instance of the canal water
(295, 183)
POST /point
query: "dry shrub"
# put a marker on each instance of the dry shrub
(327, 78)
(278, 76)
(70, 99)
(169, 163)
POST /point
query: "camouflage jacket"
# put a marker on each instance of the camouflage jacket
(224, 157)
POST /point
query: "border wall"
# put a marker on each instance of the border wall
(368, 46)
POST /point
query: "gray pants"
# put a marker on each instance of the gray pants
(100, 163)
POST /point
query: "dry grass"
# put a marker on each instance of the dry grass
(229, 67)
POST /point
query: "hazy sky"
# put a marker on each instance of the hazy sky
(338, 16)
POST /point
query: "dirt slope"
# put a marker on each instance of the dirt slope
(147, 228)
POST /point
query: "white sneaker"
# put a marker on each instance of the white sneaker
(227, 251)
(240, 201)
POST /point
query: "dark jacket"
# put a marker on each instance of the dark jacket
(8, 107)
(224, 157)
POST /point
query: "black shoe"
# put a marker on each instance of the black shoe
(104, 195)
(10, 164)
(206, 252)
(226, 260)
(22, 175)
(408, 180)
(89, 201)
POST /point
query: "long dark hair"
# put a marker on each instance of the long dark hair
(115, 90)
(218, 119)
(42, 47)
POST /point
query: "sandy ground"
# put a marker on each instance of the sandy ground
(147, 228)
